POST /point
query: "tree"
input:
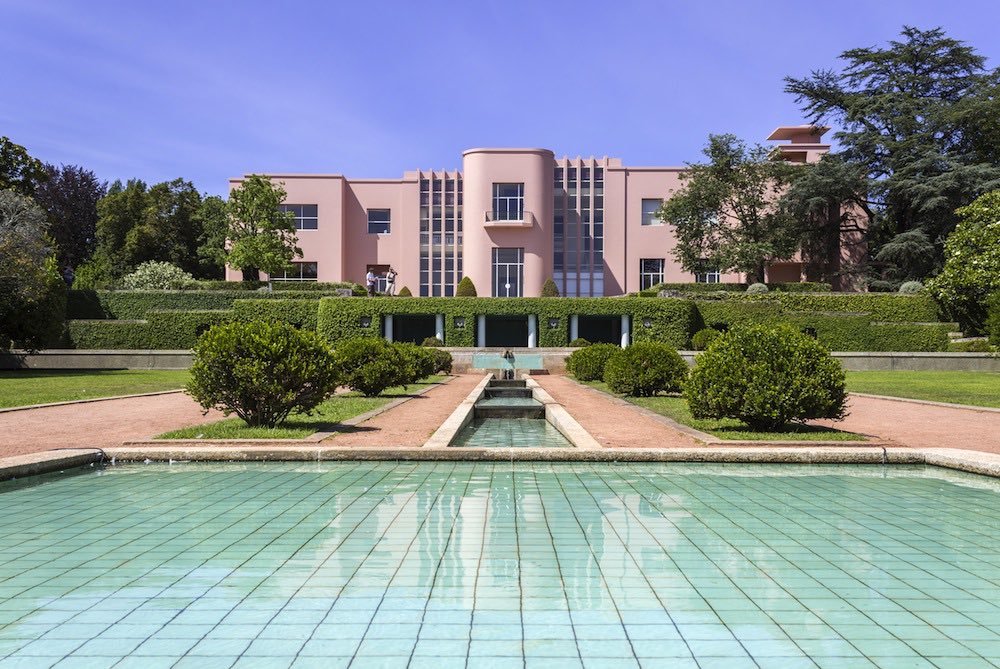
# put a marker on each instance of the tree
(920, 121)
(19, 172)
(214, 223)
(262, 237)
(118, 212)
(972, 263)
(69, 196)
(727, 214)
(32, 294)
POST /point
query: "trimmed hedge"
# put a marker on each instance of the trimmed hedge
(298, 312)
(993, 318)
(162, 330)
(891, 307)
(665, 320)
(799, 287)
(134, 305)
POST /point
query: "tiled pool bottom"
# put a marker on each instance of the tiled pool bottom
(501, 565)
(511, 432)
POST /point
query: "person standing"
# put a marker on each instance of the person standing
(370, 282)
(390, 281)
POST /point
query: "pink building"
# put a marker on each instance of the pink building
(511, 219)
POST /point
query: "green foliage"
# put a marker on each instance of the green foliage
(726, 215)
(701, 339)
(94, 274)
(371, 365)
(432, 341)
(756, 288)
(588, 363)
(156, 275)
(665, 319)
(299, 313)
(465, 288)
(32, 294)
(261, 371)
(911, 288)
(993, 319)
(160, 330)
(919, 121)
(262, 236)
(684, 289)
(133, 305)
(442, 361)
(907, 256)
(972, 264)
(767, 377)
(419, 362)
(579, 342)
(645, 369)
(69, 197)
(550, 289)
(404, 292)
(19, 172)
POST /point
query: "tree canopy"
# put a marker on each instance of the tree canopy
(69, 196)
(19, 172)
(919, 137)
(262, 236)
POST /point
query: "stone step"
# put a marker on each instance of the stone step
(507, 411)
(508, 392)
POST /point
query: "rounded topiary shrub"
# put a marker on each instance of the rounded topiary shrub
(419, 362)
(261, 371)
(156, 275)
(702, 338)
(432, 341)
(550, 289)
(579, 342)
(766, 377)
(587, 363)
(404, 292)
(645, 369)
(370, 365)
(911, 287)
(465, 288)
(442, 361)
(756, 288)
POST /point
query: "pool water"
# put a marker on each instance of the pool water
(500, 565)
(511, 433)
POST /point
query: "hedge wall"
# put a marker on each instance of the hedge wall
(300, 313)
(798, 287)
(134, 305)
(891, 307)
(670, 321)
(162, 330)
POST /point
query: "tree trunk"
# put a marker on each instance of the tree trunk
(251, 274)
(758, 274)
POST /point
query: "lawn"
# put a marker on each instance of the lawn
(676, 408)
(323, 418)
(975, 388)
(24, 387)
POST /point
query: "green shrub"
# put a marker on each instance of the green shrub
(133, 305)
(993, 318)
(911, 287)
(700, 288)
(419, 362)
(369, 365)
(465, 288)
(971, 346)
(645, 369)
(405, 292)
(588, 363)
(300, 313)
(766, 376)
(261, 371)
(157, 275)
(161, 330)
(550, 289)
(579, 342)
(757, 288)
(442, 361)
(702, 338)
(432, 341)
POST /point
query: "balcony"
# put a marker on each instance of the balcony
(527, 220)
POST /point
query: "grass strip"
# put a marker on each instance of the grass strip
(25, 387)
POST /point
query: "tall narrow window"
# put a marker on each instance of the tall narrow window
(378, 221)
(651, 212)
(650, 272)
(508, 272)
(306, 215)
(508, 202)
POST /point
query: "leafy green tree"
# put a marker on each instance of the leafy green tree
(19, 172)
(117, 213)
(920, 126)
(69, 196)
(972, 263)
(262, 237)
(727, 214)
(214, 223)
(32, 294)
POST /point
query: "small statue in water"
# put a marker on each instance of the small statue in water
(509, 357)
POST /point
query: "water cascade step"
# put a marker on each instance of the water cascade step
(508, 399)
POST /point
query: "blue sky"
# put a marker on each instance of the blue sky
(207, 90)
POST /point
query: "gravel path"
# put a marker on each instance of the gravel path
(97, 424)
(410, 423)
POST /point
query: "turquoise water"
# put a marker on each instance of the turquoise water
(500, 565)
(511, 433)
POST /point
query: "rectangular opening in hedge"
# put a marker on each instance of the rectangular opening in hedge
(506, 331)
(413, 328)
(600, 329)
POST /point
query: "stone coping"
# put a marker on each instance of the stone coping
(975, 462)
(88, 400)
(459, 418)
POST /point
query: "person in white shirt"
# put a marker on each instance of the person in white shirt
(390, 281)
(370, 281)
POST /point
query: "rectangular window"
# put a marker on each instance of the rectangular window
(650, 272)
(508, 272)
(299, 271)
(707, 274)
(306, 215)
(378, 221)
(650, 209)
(508, 202)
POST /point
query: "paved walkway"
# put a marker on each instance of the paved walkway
(97, 424)
(413, 422)
(922, 425)
(612, 424)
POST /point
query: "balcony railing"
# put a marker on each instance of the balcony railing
(526, 221)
